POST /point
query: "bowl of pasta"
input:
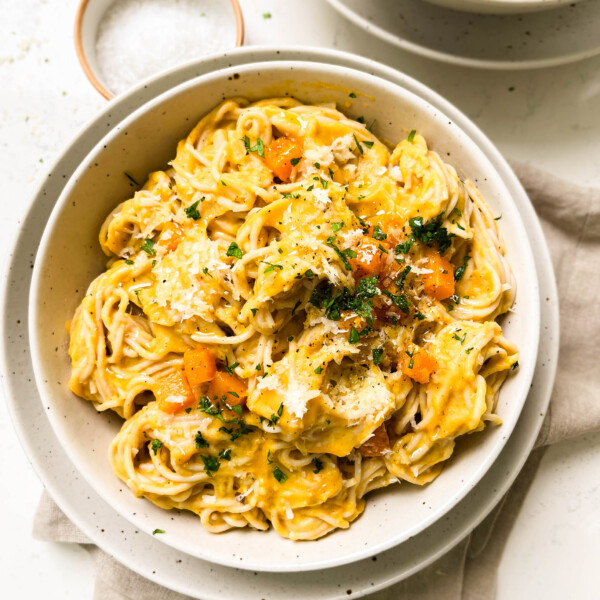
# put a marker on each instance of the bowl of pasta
(288, 288)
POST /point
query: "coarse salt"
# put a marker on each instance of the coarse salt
(139, 38)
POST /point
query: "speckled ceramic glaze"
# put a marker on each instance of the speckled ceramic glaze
(148, 555)
(566, 33)
(70, 257)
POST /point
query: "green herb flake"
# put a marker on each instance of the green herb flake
(211, 464)
(192, 211)
(234, 250)
(272, 266)
(294, 161)
(352, 95)
(319, 370)
(230, 367)
(128, 262)
(514, 365)
(259, 147)
(148, 247)
(378, 233)
(318, 465)
(358, 144)
(411, 135)
(354, 336)
(430, 232)
(460, 339)
(460, 271)
(156, 444)
(267, 15)
(200, 441)
(131, 179)
(225, 454)
(158, 531)
(377, 355)
(279, 475)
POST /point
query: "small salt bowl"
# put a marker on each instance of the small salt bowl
(121, 42)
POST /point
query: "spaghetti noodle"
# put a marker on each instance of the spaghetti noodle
(291, 317)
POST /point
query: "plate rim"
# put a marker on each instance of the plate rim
(453, 59)
(315, 55)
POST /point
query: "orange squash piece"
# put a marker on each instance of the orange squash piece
(171, 236)
(230, 386)
(440, 283)
(418, 364)
(199, 365)
(173, 392)
(377, 444)
(279, 154)
(367, 262)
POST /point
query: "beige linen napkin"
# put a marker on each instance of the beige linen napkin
(570, 217)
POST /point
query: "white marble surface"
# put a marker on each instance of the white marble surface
(550, 118)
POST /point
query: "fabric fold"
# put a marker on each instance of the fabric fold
(570, 217)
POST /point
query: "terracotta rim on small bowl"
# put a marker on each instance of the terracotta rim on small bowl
(89, 73)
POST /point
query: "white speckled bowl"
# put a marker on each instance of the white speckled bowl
(69, 258)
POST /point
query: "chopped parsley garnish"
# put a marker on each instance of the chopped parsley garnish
(156, 444)
(128, 262)
(497, 218)
(460, 271)
(259, 147)
(400, 281)
(457, 211)
(333, 301)
(324, 183)
(399, 300)
(225, 454)
(211, 464)
(368, 144)
(272, 266)
(352, 95)
(377, 355)
(295, 307)
(318, 465)
(405, 246)
(382, 249)
(192, 211)
(411, 363)
(335, 227)
(279, 475)
(378, 233)
(188, 410)
(468, 350)
(254, 311)
(411, 135)
(131, 178)
(148, 247)
(267, 15)
(230, 367)
(158, 531)
(294, 161)
(234, 250)
(343, 254)
(275, 417)
(354, 336)
(430, 232)
(514, 365)
(358, 144)
(200, 441)
(460, 339)
(206, 272)
(319, 370)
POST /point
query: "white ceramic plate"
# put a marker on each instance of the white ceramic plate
(545, 39)
(70, 257)
(145, 554)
